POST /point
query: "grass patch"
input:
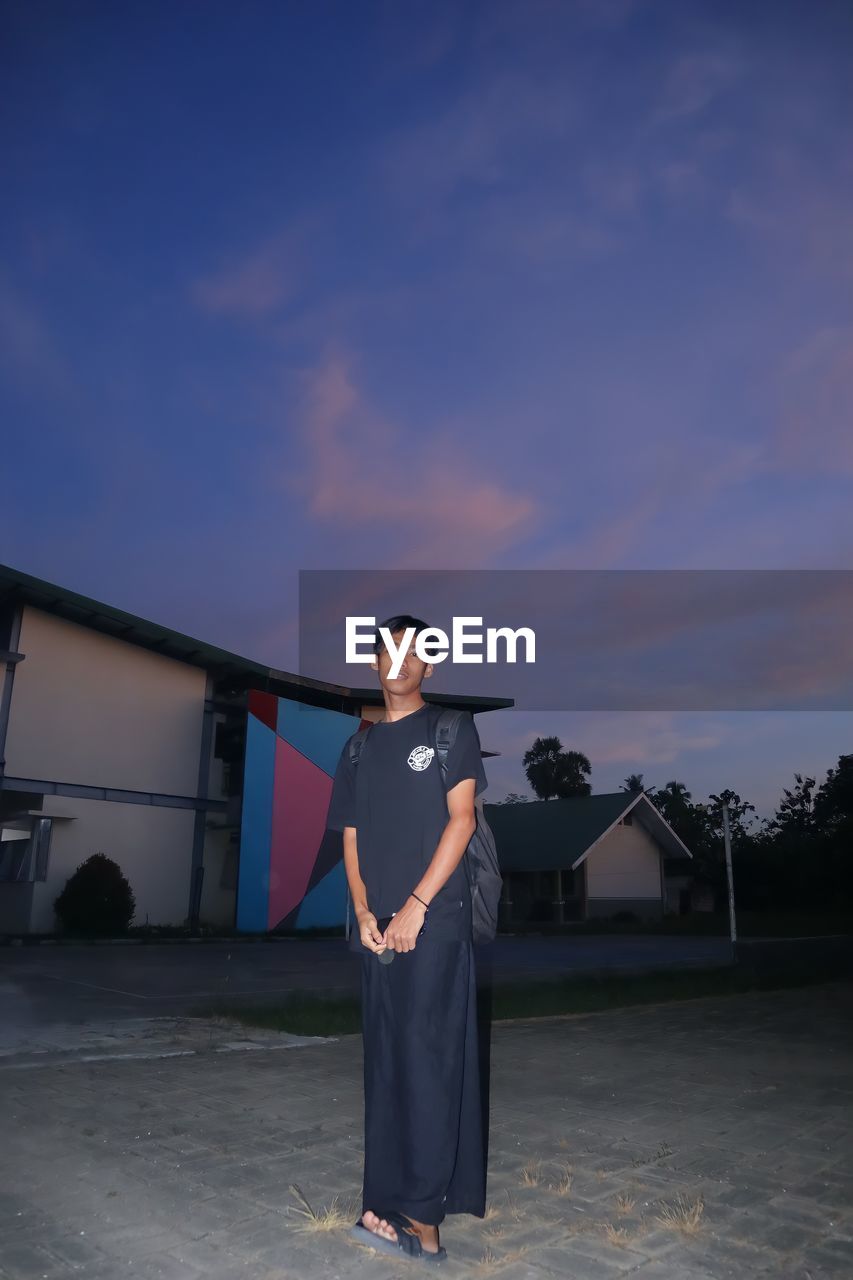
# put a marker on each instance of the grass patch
(531, 1174)
(317, 1015)
(563, 1186)
(302, 1014)
(684, 1216)
(332, 1217)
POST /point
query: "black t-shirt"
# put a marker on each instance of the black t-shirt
(395, 797)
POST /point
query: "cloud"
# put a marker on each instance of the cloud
(542, 235)
(689, 473)
(632, 740)
(798, 211)
(815, 418)
(426, 503)
(695, 81)
(480, 138)
(643, 739)
(254, 285)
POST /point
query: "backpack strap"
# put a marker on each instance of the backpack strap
(445, 735)
(357, 742)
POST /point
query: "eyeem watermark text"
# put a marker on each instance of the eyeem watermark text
(433, 645)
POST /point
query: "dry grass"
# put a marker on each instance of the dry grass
(332, 1217)
(512, 1208)
(531, 1174)
(563, 1187)
(491, 1213)
(615, 1235)
(487, 1260)
(624, 1204)
(684, 1216)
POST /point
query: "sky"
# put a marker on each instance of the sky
(529, 285)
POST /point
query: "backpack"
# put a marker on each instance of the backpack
(481, 855)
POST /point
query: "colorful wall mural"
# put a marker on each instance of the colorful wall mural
(291, 868)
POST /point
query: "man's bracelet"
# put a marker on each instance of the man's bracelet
(420, 900)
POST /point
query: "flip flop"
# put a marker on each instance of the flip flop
(407, 1242)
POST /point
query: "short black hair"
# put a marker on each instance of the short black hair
(398, 622)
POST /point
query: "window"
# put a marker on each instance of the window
(24, 849)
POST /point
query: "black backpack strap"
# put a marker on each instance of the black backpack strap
(445, 735)
(357, 742)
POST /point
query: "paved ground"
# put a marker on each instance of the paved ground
(42, 984)
(710, 1138)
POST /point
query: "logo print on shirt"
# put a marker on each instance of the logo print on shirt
(419, 758)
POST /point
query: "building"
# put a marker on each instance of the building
(583, 857)
(204, 775)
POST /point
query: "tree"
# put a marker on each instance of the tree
(833, 815)
(833, 804)
(685, 818)
(551, 771)
(738, 822)
(512, 797)
(634, 784)
(795, 815)
(692, 825)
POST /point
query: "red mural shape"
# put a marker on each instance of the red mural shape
(300, 803)
(265, 707)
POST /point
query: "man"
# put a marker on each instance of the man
(405, 830)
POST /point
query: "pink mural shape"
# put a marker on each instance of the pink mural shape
(301, 795)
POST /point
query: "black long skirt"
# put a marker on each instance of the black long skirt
(424, 1154)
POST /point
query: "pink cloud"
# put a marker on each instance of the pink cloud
(430, 503)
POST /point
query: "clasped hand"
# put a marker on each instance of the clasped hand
(402, 932)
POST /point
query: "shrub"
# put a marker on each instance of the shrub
(97, 898)
(624, 917)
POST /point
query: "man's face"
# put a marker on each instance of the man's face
(412, 669)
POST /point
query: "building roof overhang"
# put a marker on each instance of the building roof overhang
(230, 670)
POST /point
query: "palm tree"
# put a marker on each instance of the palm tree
(551, 771)
(633, 783)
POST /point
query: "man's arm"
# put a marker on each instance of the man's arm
(461, 824)
(460, 827)
(371, 937)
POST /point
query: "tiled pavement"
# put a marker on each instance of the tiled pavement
(710, 1138)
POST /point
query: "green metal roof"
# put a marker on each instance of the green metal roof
(542, 835)
(244, 672)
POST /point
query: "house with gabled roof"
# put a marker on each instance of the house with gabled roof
(584, 857)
